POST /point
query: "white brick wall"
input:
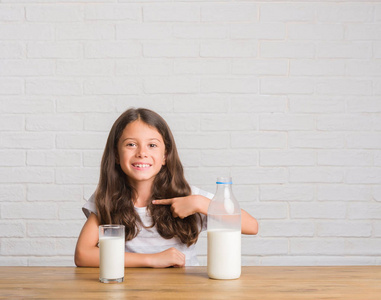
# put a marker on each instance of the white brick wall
(284, 96)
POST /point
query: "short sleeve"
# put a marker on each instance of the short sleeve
(198, 191)
(89, 207)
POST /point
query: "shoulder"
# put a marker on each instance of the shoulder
(198, 191)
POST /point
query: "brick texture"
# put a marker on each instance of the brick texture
(283, 95)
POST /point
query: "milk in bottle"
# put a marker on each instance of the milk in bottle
(224, 233)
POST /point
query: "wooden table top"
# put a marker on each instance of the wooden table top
(359, 282)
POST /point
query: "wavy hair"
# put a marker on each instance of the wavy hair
(115, 197)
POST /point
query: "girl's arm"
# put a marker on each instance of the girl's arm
(87, 251)
(185, 206)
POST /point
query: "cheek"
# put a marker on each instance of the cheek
(123, 157)
(123, 163)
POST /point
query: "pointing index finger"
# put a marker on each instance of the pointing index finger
(162, 201)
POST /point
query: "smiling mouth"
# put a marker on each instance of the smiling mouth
(141, 166)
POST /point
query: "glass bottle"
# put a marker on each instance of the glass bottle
(224, 233)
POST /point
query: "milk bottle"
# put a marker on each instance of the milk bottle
(224, 233)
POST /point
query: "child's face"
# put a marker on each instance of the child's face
(141, 152)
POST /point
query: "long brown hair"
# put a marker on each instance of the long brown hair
(115, 197)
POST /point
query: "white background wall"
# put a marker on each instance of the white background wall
(286, 96)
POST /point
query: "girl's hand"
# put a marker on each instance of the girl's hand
(168, 258)
(183, 207)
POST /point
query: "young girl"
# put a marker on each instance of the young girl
(142, 186)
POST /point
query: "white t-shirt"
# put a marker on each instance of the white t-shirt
(149, 240)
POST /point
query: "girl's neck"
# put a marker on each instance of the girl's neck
(143, 189)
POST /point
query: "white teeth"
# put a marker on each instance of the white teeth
(141, 165)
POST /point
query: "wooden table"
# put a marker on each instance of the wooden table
(363, 282)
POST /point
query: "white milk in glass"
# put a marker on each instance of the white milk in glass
(224, 254)
(111, 262)
(111, 253)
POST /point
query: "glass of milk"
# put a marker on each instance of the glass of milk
(111, 253)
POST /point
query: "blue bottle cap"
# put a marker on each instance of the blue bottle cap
(224, 180)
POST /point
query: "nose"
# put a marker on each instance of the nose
(141, 152)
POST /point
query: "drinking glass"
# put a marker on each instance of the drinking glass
(111, 253)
